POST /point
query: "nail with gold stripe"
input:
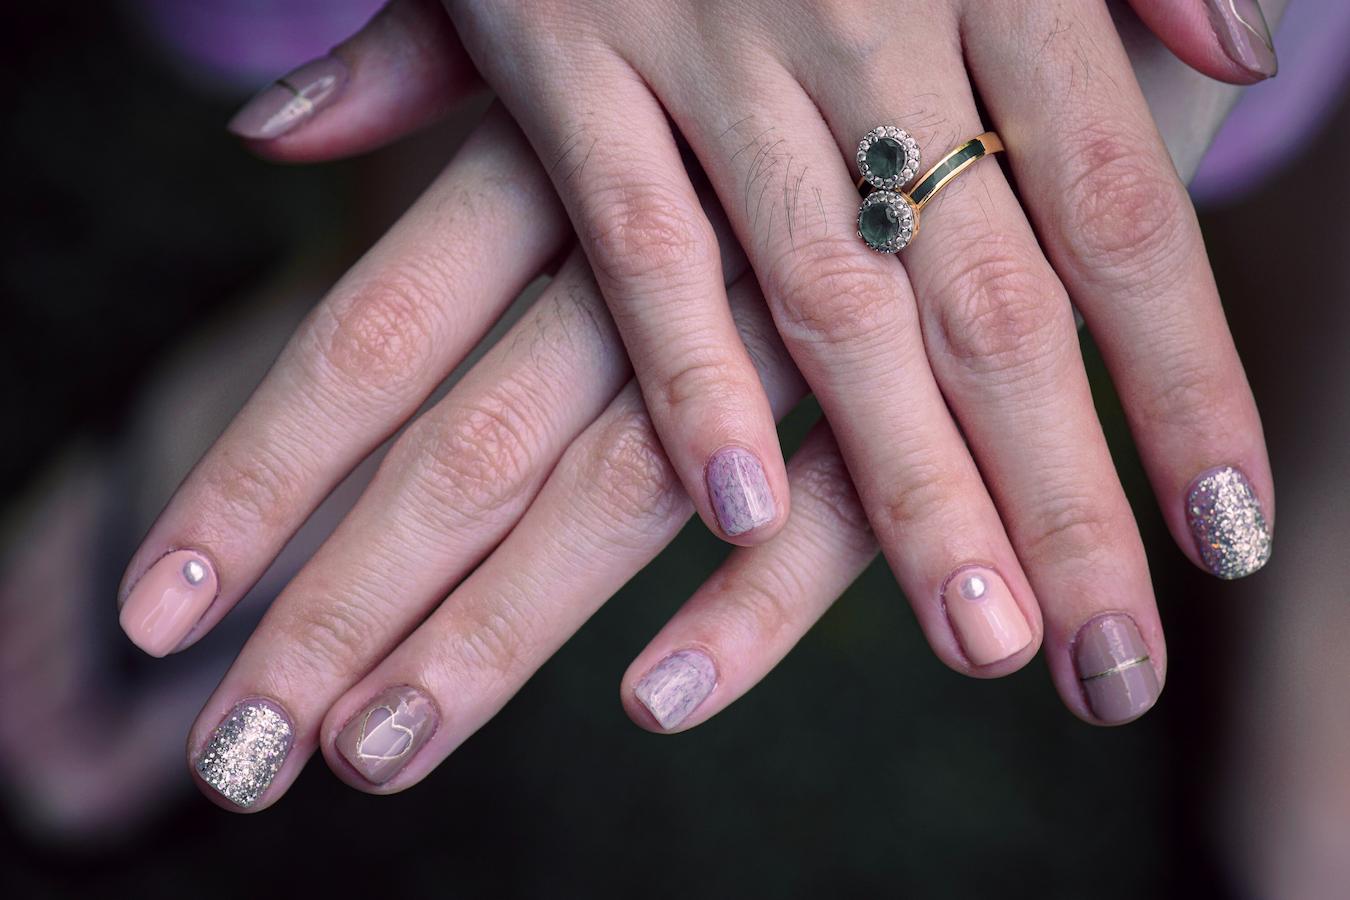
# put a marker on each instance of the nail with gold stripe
(1115, 669)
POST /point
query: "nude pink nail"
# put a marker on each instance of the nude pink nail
(986, 619)
(168, 600)
(291, 100)
(381, 739)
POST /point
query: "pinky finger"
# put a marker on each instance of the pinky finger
(405, 69)
(763, 599)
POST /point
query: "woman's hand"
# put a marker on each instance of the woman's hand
(459, 480)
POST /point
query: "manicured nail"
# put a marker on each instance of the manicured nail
(168, 600)
(676, 686)
(1226, 521)
(740, 493)
(1244, 34)
(384, 736)
(246, 750)
(291, 100)
(987, 620)
(1113, 665)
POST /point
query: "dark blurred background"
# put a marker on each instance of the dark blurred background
(134, 228)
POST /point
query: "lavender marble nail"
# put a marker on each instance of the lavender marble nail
(676, 686)
(739, 490)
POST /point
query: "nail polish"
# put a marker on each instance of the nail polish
(739, 491)
(246, 751)
(381, 739)
(1226, 521)
(291, 100)
(986, 619)
(676, 686)
(168, 600)
(1114, 668)
(1244, 35)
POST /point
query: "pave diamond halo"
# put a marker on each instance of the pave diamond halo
(888, 157)
(887, 221)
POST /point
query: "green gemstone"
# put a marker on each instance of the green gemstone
(879, 225)
(885, 158)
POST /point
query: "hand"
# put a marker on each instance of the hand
(358, 369)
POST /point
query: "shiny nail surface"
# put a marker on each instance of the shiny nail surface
(676, 686)
(1114, 667)
(986, 619)
(168, 600)
(1226, 521)
(1244, 35)
(291, 100)
(739, 491)
(246, 751)
(386, 734)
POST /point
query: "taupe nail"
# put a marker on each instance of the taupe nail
(381, 739)
(1115, 669)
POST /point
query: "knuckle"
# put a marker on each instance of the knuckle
(647, 231)
(491, 644)
(475, 458)
(828, 293)
(381, 334)
(1073, 528)
(704, 377)
(261, 490)
(764, 602)
(833, 501)
(327, 637)
(1126, 213)
(996, 309)
(631, 478)
(919, 504)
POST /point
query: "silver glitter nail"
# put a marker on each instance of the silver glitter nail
(245, 751)
(1226, 520)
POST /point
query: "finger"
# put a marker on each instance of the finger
(402, 71)
(1224, 39)
(1000, 336)
(848, 318)
(360, 364)
(1119, 228)
(616, 166)
(759, 603)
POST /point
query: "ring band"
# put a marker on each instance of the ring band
(888, 219)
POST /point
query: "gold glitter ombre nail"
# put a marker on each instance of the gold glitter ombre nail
(246, 750)
(1227, 523)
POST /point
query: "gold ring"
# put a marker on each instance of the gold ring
(888, 218)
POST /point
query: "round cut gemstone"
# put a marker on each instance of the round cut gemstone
(879, 224)
(886, 157)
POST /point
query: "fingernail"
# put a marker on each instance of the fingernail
(1225, 516)
(246, 751)
(1244, 34)
(1114, 666)
(740, 493)
(676, 686)
(987, 620)
(384, 736)
(168, 600)
(291, 100)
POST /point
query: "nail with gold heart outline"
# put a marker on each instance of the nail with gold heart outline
(381, 739)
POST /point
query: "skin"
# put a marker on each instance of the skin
(582, 482)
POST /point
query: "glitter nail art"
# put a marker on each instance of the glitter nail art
(1226, 520)
(246, 750)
